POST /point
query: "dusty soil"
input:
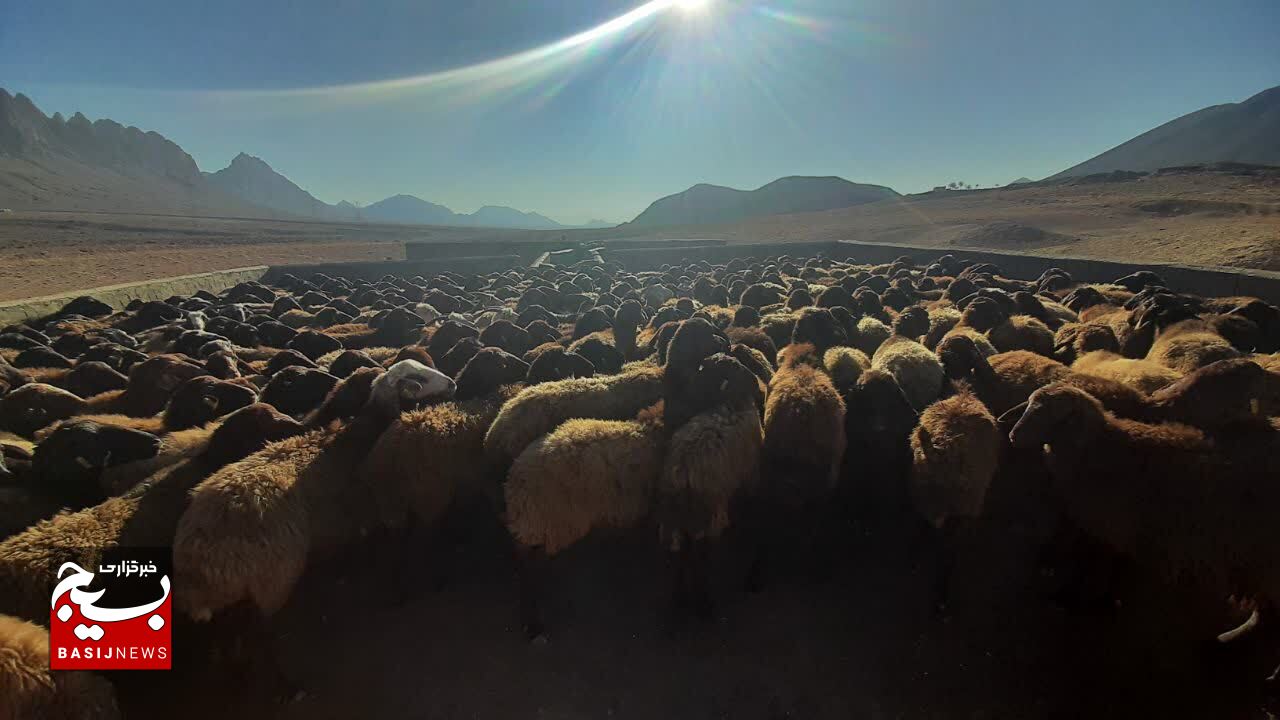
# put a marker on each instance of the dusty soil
(52, 252)
(1199, 218)
(863, 643)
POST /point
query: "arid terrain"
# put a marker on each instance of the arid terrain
(1199, 218)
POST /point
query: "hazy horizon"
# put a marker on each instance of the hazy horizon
(510, 103)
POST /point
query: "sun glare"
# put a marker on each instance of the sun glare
(693, 6)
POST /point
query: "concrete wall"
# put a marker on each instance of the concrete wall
(639, 259)
(117, 296)
(403, 268)
(528, 251)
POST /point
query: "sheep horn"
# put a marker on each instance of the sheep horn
(1245, 628)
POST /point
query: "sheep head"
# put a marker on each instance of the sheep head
(983, 313)
(819, 327)
(248, 430)
(35, 405)
(488, 370)
(912, 322)
(959, 356)
(691, 341)
(296, 390)
(202, 399)
(1051, 408)
(69, 461)
(408, 384)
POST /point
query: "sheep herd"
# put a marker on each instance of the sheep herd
(786, 408)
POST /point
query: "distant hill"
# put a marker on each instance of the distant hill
(412, 210)
(1245, 132)
(252, 179)
(707, 204)
(52, 163)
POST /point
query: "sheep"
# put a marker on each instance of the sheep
(195, 402)
(35, 405)
(28, 689)
(145, 516)
(607, 470)
(616, 464)
(1145, 375)
(845, 365)
(540, 409)
(917, 370)
(1188, 345)
(622, 334)
(296, 390)
(1176, 501)
(818, 327)
(487, 370)
(956, 448)
(711, 461)
(804, 436)
(1074, 340)
(692, 341)
(879, 420)
(552, 361)
(1005, 380)
(151, 383)
(66, 465)
(398, 327)
(870, 333)
(249, 528)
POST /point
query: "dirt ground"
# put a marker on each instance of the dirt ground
(865, 642)
(1199, 218)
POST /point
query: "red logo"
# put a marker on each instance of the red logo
(117, 618)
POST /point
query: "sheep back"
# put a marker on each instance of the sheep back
(586, 474)
(540, 409)
(246, 533)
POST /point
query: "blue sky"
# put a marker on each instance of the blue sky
(906, 93)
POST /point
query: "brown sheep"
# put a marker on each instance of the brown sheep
(28, 689)
(1174, 500)
(144, 517)
(1188, 345)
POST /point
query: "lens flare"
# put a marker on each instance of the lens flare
(512, 72)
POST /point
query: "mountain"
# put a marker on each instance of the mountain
(52, 163)
(1021, 181)
(252, 179)
(75, 164)
(411, 210)
(707, 204)
(597, 224)
(1246, 132)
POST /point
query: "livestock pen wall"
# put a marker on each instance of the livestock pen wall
(402, 268)
(117, 296)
